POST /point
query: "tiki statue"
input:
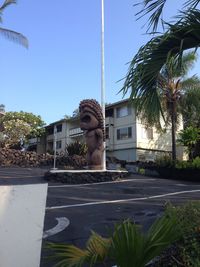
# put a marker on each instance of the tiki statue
(91, 121)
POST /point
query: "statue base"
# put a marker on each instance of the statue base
(84, 176)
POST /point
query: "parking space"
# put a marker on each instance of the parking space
(72, 211)
(97, 207)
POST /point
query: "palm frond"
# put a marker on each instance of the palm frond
(180, 70)
(67, 255)
(97, 249)
(154, 8)
(6, 4)
(144, 70)
(161, 234)
(191, 83)
(190, 107)
(192, 4)
(128, 245)
(14, 36)
(188, 61)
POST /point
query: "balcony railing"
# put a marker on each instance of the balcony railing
(75, 132)
(109, 121)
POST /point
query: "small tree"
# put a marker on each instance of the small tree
(189, 137)
(19, 126)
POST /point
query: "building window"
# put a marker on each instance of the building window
(50, 131)
(124, 133)
(59, 128)
(58, 144)
(107, 132)
(109, 112)
(147, 133)
(123, 111)
(150, 133)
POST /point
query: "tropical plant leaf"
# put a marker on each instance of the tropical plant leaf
(9, 34)
(191, 4)
(132, 248)
(154, 8)
(14, 36)
(161, 234)
(6, 4)
(97, 250)
(128, 245)
(144, 71)
(67, 255)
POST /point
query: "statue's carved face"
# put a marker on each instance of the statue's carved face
(88, 120)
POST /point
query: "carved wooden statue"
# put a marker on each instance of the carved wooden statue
(91, 121)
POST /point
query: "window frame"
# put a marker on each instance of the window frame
(128, 109)
(60, 144)
(59, 128)
(129, 133)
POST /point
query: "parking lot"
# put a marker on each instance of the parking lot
(72, 211)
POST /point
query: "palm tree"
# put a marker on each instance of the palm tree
(9, 34)
(171, 86)
(146, 67)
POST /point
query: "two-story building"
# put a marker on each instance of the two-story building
(127, 138)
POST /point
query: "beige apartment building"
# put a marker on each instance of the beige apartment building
(126, 137)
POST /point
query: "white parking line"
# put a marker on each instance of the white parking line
(121, 200)
(62, 224)
(101, 183)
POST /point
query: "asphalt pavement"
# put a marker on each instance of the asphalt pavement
(72, 211)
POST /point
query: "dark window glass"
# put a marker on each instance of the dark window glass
(59, 128)
(124, 133)
(50, 131)
(129, 132)
(109, 112)
(58, 144)
(107, 132)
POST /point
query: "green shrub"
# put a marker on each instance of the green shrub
(196, 163)
(185, 252)
(141, 171)
(183, 165)
(76, 148)
(189, 137)
(167, 162)
(164, 161)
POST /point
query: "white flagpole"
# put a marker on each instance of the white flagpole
(103, 77)
(54, 144)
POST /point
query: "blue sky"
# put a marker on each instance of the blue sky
(62, 65)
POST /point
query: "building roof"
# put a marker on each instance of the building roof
(117, 103)
(55, 122)
(77, 117)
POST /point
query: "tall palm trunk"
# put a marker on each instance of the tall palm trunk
(173, 128)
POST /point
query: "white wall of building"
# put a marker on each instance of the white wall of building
(143, 143)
